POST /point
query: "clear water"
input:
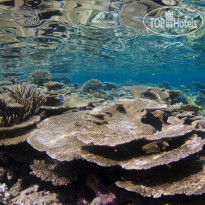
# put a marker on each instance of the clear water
(64, 38)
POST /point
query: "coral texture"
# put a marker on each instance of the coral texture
(52, 171)
(18, 113)
(160, 95)
(92, 85)
(31, 99)
(39, 77)
(134, 134)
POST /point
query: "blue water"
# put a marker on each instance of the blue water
(82, 51)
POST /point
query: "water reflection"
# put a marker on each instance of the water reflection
(86, 34)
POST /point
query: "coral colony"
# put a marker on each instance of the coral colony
(143, 142)
(39, 77)
(133, 138)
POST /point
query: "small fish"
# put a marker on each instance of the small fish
(61, 98)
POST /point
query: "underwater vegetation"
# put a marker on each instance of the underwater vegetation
(39, 77)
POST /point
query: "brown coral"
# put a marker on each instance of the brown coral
(31, 99)
(160, 95)
(186, 178)
(104, 126)
(18, 113)
(134, 134)
(51, 171)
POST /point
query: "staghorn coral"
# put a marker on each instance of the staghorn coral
(31, 99)
(5, 116)
(39, 77)
(18, 113)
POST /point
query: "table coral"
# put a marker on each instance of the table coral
(133, 135)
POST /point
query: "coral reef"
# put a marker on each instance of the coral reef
(18, 133)
(31, 121)
(73, 101)
(133, 134)
(39, 77)
(65, 80)
(107, 154)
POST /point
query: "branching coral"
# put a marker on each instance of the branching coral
(5, 116)
(39, 77)
(92, 85)
(30, 100)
